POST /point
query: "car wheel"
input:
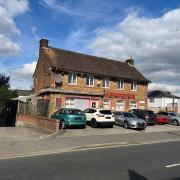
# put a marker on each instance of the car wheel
(175, 122)
(94, 123)
(126, 126)
(63, 125)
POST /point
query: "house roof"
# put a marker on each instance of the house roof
(160, 94)
(77, 62)
(21, 92)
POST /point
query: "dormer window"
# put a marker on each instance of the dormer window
(133, 86)
(121, 84)
(105, 83)
(89, 81)
(72, 78)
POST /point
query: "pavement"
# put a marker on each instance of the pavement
(20, 142)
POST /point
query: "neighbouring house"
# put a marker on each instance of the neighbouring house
(75, 80)
(21, 104)
(163, 101)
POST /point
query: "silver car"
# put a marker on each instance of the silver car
(173, 117)
(129, 120)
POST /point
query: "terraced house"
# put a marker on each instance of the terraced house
(70, 79)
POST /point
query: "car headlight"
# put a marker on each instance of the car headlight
(133, 122)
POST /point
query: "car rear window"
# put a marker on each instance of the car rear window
(74, 112)
(105, 112)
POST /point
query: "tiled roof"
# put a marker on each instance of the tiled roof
(77, 62)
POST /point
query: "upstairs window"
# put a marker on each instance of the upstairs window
(72, 78)
(89, 81)
(121, 84)
(151, 99)
(133, 86)
(105, 83)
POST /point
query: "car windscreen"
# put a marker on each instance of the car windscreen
(126, 114)
(172, 114)
(105, 112)
(74, 112)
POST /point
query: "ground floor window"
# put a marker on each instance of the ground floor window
(133, 105)
(106, 104)
(70, 103)
(120, 105)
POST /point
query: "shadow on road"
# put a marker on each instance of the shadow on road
(135, 176)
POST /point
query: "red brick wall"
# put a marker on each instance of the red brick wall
(47, 124)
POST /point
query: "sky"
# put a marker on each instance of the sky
(146, 30)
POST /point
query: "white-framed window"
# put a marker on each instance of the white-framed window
(133, 105)
(70, 103)
(120, 105)
(105, 83)
(133, 86)
(89, 81)
(106, 104)
(72, 78)
(151, 99)
(121, 84)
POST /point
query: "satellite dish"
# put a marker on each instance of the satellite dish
(58, 78)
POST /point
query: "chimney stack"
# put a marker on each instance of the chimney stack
(44, 43)
(130, 62)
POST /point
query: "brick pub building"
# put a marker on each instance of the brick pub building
(71, 79)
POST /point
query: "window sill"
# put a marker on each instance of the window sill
(72, 84)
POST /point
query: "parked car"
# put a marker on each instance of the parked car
(173, 117)
(147, 115)
(129, 120)
(70, 117)
(98, 117)
(161, 119)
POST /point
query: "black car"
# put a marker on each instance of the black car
(148, 115)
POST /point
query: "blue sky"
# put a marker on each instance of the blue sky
(147, 30)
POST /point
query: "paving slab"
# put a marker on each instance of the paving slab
(13, 134)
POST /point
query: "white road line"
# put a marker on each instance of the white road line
(172, 165)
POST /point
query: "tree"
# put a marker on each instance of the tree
(5, 92)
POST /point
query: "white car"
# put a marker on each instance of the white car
(99, 117)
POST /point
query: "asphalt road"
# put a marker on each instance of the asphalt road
(119, 163)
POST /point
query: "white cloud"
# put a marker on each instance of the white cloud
(25, 71)
(153, 42)
(7, 47)
(53, 4)
(34, 32)
(8, 10)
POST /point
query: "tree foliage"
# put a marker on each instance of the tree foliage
(5, 92)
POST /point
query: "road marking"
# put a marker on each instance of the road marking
(172, 165)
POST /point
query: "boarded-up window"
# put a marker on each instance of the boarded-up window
(58, 102)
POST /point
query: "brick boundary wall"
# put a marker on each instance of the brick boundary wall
(47, 124)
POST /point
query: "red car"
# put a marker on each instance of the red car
(162, 119)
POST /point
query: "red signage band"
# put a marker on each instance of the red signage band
(109, 94)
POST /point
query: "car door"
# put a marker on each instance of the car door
(121, 119)
(117, 118)
(88, 114)
(57, 114)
